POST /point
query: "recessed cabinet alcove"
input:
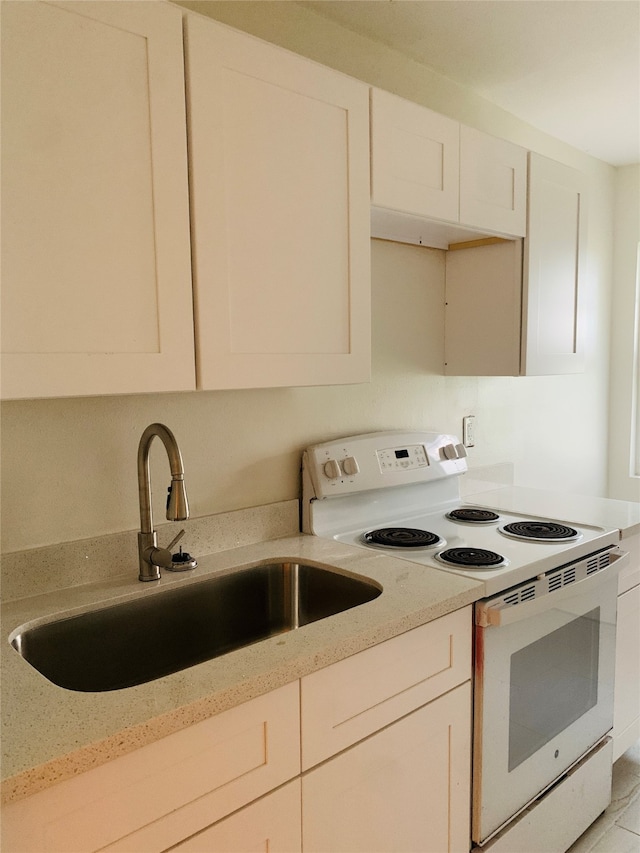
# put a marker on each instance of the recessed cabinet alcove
(515, 307)
(514, 227)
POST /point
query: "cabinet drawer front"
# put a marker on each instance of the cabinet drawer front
(271, 825)
(206, 771)
(353, 698)
(414, 158)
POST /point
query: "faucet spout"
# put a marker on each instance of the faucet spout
(150, 556)
(177, 505)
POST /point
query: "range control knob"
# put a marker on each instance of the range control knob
(350, 466)
(332, 469)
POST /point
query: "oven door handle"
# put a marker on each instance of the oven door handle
(496, 611)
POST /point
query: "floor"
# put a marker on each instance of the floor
(617, 830)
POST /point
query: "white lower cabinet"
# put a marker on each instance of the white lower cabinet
(626, 718)
(163, 793)
(394, 722)
(406, 788)
(397, 720)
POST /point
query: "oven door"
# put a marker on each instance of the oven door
(544, 673)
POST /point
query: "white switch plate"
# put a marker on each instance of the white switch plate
(469, 431)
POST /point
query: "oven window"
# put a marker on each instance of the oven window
(553, 682)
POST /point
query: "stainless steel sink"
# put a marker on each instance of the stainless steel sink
(137, 641)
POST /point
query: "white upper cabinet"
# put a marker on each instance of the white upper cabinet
(510, 308)
(436, 182)
(493, 183)
(98, 295)
(414, 158)
(105, 208)
(96, 290)
(280, 214)
(554, 269)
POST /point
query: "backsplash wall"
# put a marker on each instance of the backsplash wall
(69, 466)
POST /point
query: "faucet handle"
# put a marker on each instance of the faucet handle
(175, 539)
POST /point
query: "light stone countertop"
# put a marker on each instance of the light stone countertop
(585, 509)
(50, 733)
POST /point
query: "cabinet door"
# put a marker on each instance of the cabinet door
(271, 825)
(280, 214)
(406, 788)
(414, 158)
(493, 183)
(554, 266)
(96, 295)
(626, 717)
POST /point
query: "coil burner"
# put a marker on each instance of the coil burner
(401, 537)
(540, 531)
(472, 558)
(473, 515)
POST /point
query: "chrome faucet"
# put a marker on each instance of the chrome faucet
(150, 557)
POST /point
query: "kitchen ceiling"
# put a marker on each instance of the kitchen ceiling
(568, 67)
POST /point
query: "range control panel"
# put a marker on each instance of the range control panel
(375, 460)
(401, 458)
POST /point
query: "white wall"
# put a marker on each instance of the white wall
(69, 466)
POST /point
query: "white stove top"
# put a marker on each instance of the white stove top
(410, 480)
(524, 559)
